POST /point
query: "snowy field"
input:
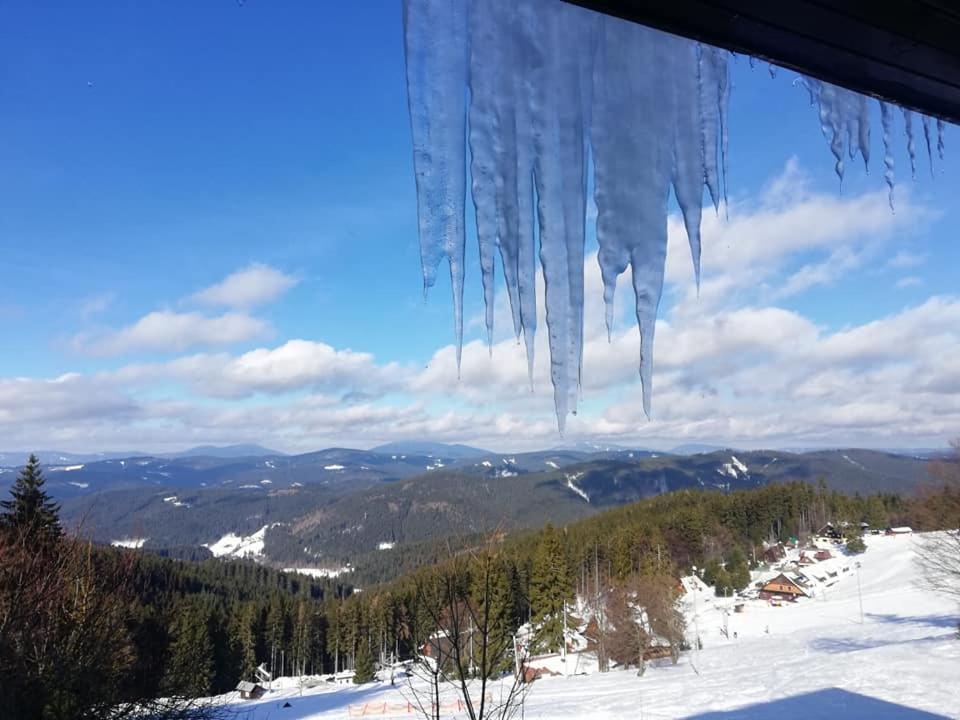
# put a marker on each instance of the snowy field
(813, 659)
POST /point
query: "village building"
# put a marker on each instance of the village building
(899, 530)
(822, 555)
(250, 690)
(831, 531)
(774, 554)
(782, 588)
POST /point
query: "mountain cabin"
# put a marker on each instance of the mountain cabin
(781, 588)
(250, 691)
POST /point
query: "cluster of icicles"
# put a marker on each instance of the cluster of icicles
(553, 88)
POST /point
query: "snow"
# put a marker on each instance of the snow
(266, 482)
(173, 500)
(571, 479)
(853, 462)
(487, 463)
(552, 464)
(320, 572)
(131, 543)
(734, 468)
(386, 546)
(78, 484)
(232, 545)
(811, 659)
(66, 468)
(739, 465)
(333, 467)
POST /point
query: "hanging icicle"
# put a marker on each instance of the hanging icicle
(553, 87)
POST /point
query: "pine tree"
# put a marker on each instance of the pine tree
(363, 670)
(190, 660)
(31, 509)
(550, 588)
(245, 639)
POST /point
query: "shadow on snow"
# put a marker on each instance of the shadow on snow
(827, 703)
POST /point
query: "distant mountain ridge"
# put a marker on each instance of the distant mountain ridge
(226, 451)
(423, 447)
(339, 505)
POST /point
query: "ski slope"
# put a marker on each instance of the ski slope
(809, 660)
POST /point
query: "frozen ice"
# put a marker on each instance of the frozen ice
(436, 62)
(543, 92)
(911, 145)
(886, 120)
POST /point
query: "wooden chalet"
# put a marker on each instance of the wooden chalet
(774, 553)
(823, 555)
(250, 690)
(781, 588)
(899, 530)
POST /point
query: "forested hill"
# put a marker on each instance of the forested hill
(337, 507)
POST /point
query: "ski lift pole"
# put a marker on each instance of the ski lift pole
(859, 591)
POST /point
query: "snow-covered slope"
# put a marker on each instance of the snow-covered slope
(804, 661)
(232, 545)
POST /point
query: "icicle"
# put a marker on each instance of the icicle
(514, 191)
(940, 138)
(753, 61)
(708, 81)
(634, 166)
(651, 115)
(723, 99)
(773, 69)
(485, 149)
(688, 153)
(911, 147)
(863, 131)
(927, 133)
(844, 121)
(886, 119)
(560, 179)
(435, 35)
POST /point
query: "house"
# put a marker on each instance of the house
(344, 677)
(774, 554)
(899, 530)
(805, 559)
(249, 690)
(831, 531)
(822, 555)
(782, 588)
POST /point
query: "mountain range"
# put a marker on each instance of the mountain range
(339, 506)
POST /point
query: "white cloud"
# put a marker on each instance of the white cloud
(906, 259)
(294, 366)
(731, 367)
(908, 282)
(167, 332)
(95, 304)
(254, 285)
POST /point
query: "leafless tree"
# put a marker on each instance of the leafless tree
(645, 618)
(469, 647)
(939, 509)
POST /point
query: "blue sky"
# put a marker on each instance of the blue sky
(151, 152)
